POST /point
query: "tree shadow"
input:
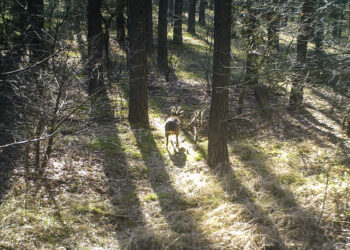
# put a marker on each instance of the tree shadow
(307, 126)
(131, 229)
(303, 223)
(330, 101)
(310, 233)
(171, 202)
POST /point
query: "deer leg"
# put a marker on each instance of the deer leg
(177, 140)
(166, 135)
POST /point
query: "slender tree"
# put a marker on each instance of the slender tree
(178, 22)
(19, 13)
(217, 145)
(138, 96)
(120, 23)
(319, 27)
(171, 9)
(305, 28)
(191, 26)
(36, 29)
(149, 27)
(274, 19)
(162, 37)
(95, 46)
(201, 17)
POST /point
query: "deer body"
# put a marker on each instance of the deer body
(172, 125)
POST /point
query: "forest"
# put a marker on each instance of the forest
(175, 124)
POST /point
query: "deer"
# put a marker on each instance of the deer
(172, 124)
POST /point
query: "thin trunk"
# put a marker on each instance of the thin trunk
(274, 18)
(107, 60)
(305, 29)
(162, 37)
(19, 12)
(201, 18)
(77, 18)
(191, 26)
(36, 30)
(149, 27)
(178, 22)
(120, 27)
(217, 145)
(319, 27)
(138, 96)
(171, 9)
(252, 67)
(211, 4)
(95, 46)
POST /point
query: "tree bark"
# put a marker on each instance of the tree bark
(138, 96)
(19, 13)
(95, 46)
(120, 26)
(163, 37)
(177, 38)
(201, 18)
(217, 145)
(274, 18)
(149, 27)
(251, 79)
(171, 9)
(305, 29)
(191, 26)
(319, 27)
(36, 30)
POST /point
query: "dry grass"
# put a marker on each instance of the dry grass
(119, 187)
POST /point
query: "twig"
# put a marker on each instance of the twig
(31, 66)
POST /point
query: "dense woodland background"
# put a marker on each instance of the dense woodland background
(264, 154)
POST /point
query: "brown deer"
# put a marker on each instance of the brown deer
(172, 124)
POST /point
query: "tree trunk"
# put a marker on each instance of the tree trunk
(77, 18)
(305, 28)
(138, 96)
(191, 26)
(163, 37)
(171, 9)
(120, 27)
(211, 4)
(274, 18)
(19, 13)
(201, 18)
(178, 22)
(106, 44)
(149, 27)
(319, 27)
(252, 67)
(95, 46)
(217, 145)
(36, 30)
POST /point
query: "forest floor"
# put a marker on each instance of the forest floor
(117, 186)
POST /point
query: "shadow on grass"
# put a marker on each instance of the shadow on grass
(173, 206)
(179, 157)
(307, 126)
(330, 101)
(303, 223)
(310, 232)
(131, 231)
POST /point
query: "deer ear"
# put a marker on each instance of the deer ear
(178, 110)
(173, 110)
